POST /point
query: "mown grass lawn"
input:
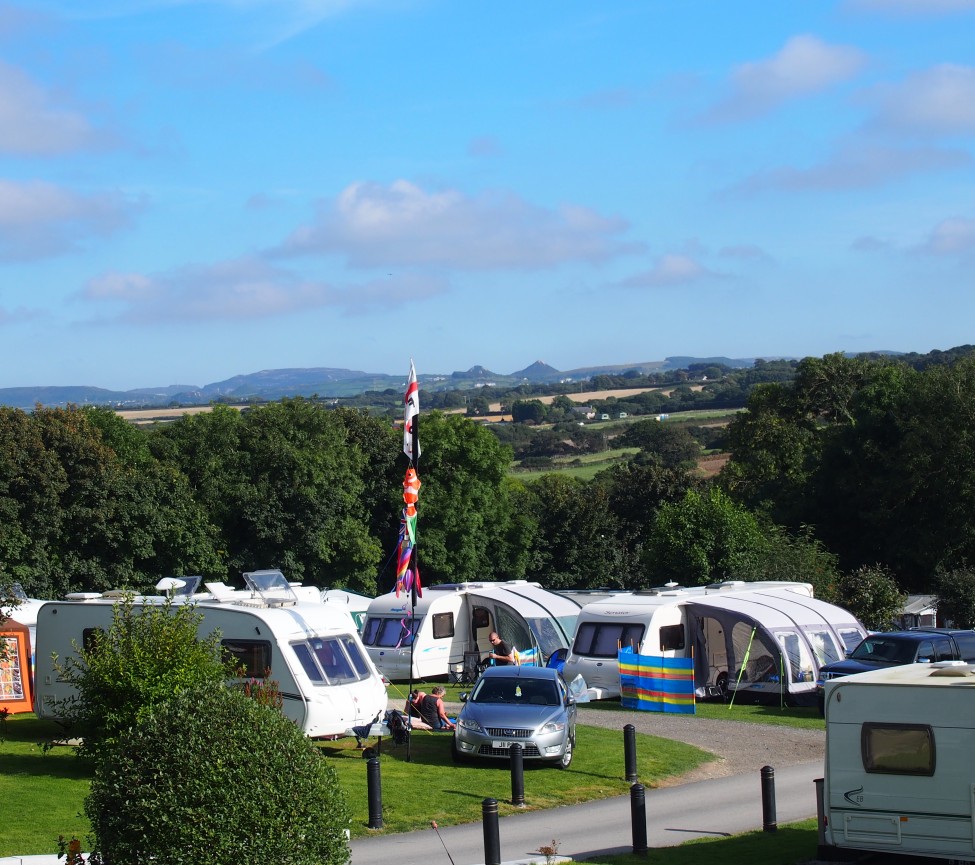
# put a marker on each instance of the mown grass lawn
(43, 792)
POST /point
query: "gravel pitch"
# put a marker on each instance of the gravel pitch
(740, 746)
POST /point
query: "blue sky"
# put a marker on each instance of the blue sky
(190, 191)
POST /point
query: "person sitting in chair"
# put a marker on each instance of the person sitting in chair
(503, 655)
(431, 709)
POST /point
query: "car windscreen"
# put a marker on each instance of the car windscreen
(521, 691)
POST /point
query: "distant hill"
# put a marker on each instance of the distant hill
(275, 384)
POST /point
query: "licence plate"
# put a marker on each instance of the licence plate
(504, 745)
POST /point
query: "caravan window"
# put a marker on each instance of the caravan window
(671, 638)
(252, 657)
(443, 625)
(897, 749)
(330, 661)
(390, 633)
(355, 656)
(605, 639)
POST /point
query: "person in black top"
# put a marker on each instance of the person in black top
(502, 654)
(431, 710)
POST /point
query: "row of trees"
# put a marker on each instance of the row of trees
(857, 476)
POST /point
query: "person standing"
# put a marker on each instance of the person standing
(502, 654)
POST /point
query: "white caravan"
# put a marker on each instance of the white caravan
(356, 605)
(309, 648)
(900, 761)
(451, 623)
(762, 640)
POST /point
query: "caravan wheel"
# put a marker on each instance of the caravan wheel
(722, 683)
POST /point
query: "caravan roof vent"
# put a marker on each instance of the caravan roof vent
(952, 668)
(667, 589)
(727, 584)
(83, 596)
(271, 586)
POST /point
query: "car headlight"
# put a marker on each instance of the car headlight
(552, 727)
(469, 724)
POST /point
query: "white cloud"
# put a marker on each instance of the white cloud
(39, 219)
(669, 270)
(246, 288)
(856, 166)
(32, 123)
(951, 236)
(804, 66)
(372, 225)
(939, 100)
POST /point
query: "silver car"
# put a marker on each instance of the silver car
(530, 706)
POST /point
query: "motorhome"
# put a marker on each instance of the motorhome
(761, 641)
(309, 648)
(452, 622)
(900, 762)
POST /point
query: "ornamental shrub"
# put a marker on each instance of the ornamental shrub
(212, 777)
(149, 653)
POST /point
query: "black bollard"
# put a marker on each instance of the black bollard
(629, 752)
(492, 834)
(375, 794)
(517, 755)
(638, 818)
(768, 799)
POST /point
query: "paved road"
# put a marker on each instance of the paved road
(712, 808)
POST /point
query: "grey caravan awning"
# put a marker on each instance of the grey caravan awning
(755, 644)
(529, 616)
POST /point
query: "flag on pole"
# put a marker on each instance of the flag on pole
(411, 411)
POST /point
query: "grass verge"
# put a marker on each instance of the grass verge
(43, 793)
(795, 842)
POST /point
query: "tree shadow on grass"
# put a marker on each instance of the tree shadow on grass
(41, 764)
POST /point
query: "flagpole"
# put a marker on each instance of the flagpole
(411, 447)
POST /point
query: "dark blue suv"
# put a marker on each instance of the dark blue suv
(893, 648)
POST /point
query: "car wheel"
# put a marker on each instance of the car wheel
(566, 757)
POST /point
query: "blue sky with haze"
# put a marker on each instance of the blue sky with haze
(190, 191)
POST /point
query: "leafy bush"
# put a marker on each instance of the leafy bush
(212, 777)
(956, 596)
(148, 654)
(871, 593)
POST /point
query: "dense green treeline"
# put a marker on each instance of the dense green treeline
(855, 474)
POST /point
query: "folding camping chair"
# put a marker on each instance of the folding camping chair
(468, 673)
